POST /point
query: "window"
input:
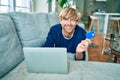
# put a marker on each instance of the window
(15, 6)
(4, 6)
(22, 6)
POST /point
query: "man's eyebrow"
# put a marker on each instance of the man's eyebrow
(65, 18)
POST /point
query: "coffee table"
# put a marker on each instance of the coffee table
(114, 48)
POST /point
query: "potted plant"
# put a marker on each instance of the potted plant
(62, 3)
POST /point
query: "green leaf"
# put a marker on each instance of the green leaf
(49, 1)
(62, 2)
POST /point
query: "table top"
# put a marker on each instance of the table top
(115, 46)
(98, 13)
(115, 43)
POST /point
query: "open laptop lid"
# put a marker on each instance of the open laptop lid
(46, 59)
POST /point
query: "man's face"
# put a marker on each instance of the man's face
(68, 25)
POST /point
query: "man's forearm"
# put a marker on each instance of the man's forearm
(79, 55)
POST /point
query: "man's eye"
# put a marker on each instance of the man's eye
(65, 19)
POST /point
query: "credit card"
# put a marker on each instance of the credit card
(90, 35)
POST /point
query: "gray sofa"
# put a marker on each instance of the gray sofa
(18, 30)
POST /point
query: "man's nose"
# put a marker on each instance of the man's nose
(69, 21)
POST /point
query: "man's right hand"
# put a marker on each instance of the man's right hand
(83, 46)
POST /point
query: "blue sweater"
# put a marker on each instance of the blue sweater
(55, 38)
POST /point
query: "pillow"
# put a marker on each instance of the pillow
(32, 28)
(11, 52)
(53, 18)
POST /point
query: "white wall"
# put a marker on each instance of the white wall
(40, 6)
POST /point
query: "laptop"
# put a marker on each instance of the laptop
(46, 60)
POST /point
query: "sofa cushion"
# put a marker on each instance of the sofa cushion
(11, 52)
(32, 28)
(52, 18)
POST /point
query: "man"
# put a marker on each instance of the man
(68, 34)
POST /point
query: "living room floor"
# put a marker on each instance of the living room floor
(95, 52)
